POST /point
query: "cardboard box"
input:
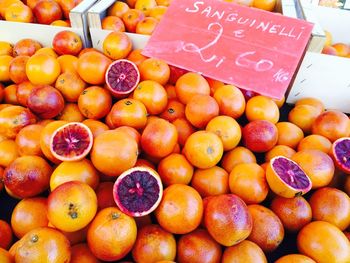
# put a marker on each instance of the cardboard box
(323, 76)
(95, 14)
(15, 31)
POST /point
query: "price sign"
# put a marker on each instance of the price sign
(250, 48)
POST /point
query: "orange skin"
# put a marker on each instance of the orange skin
(145, 5)
(279, 150)
(329, 50)
(96, 127)
(315, 142)
(47, 11)
(173, 110)
(67, 43)
(113, 23)
(111, 234)
(6, 48)
(118, 9)
(104, 193)
(117, 45)
(33, 247)
(227, 219)
(136, 56)
(184, 130)
(247, 180)
(71, 113)
(303, 116)
(23, 91)
(29, 213)
(27, 169)
(64, 23)
(68, 63)
(129, 112)
(17, 69)
(289, 134)
(295, 258)
(236, 156)
(198, 246)
(8, 152)
(47, 51)
(175, 169)
(146, 26)
(5, 235)
(294, 213)
(323, 242)
(152, 95)
(203, 149)
(66, 6)
(267, 5)
(312, 102)
(190, 84)
(26, 47)
(13, 249)
(262, 108)
(109, 161)
(317, 165)
(211, 181)
(70, 85)
(227, 129)
(332, 125)
(71, 206)
(75, 237)
(82, 253)
(230, 100)
(159, 138)
(268, 239)
(130, 18)
(342, 49)
(42, 69)
(246, 251)
(92, 67)
(10, 95)
(154, 244)
(5, 62)
(158, 12)
(28, 140)
(200, 109)
(331, 205)
(95, 102)
(180, 210)
(214, 85)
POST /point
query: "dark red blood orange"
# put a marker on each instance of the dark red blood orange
(67, 43)
(122, 77)
(341, 154)
(71, 142)
(138, 191)
(286, 178)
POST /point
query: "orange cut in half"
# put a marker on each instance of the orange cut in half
(138, 191)
(286, 178)
(71, 142)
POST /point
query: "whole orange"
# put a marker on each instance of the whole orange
(211, 181)
(154, 69)
(146, 26)
(227, 219)
(117, 45)
(279, 150)
(33, 247)
(28, 140)
(236, 156)
(331, 205)
(180, 210)
(198, 246)
(23, 91)
(111, 234)
(5, 61)
(5, 235)
(312, 102)
(131, 17)
(203, 149)
(92, 67)
(173, 110)
(262, 108)
(315, 142)
(153, 244)
(106, 159)
(68, 63)
(246, 251)
(71, 113)
(113, 23)
(175, 169)
(294, 213)
(70, 85)
(248, 181)
(191, 84)
(324, 243)
(303, 116)
(317, 165)
(8, 152)
(268, 231)
(28, 214)
(42, 69)
(118, 9)
(289, 134)
(26, 47)
(231, 101)
(95, 102)
(159, 138)
(71, 206)
(17, 69)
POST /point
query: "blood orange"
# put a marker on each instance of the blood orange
(286, 178)
(122, 77)
(138, 191)
(71, 142)
(341, 153)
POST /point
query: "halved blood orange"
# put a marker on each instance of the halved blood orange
(286, 178)
(341, 154)
(122, 77)
(138, 191)
(71, 142)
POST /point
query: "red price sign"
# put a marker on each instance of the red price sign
(250, 48)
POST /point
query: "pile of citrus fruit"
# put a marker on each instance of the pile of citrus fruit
(114, 156)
